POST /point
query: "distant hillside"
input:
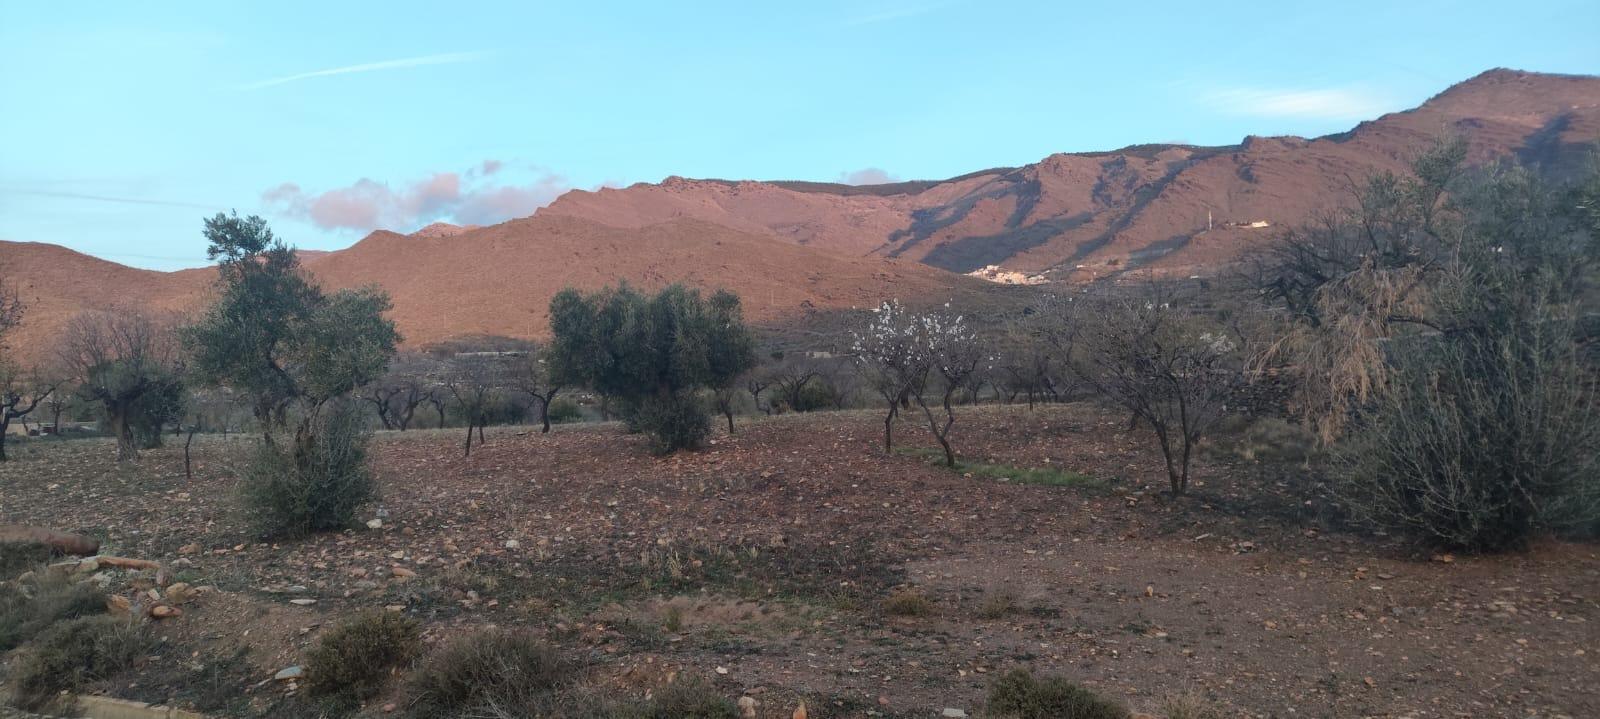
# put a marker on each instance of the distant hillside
(795, 250)
(1174, 207)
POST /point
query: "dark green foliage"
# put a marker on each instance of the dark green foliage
(73, 654)
(677, 421)
(1017, 694)
(563, 411)
(32, 606)
(274, 335)
(511, 672)
(651, 353)
(316, 483)
(355, 658)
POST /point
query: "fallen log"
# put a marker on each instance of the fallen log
(126, 562)
(66, 543)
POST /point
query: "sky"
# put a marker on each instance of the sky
(123, 124)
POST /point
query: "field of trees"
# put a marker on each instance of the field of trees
(1354, 476)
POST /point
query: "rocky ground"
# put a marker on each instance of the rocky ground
(763, 562)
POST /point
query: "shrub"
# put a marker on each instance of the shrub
(565, 410)
(318, 484)
(72, 654)
(511, 672)
(1019, 695)
(687, 698)
(908, 603)
(997, 603)
(354, 659)
(1479, 442)
(29, 608)
(19, 557)
(1190, 706)
(673, 423)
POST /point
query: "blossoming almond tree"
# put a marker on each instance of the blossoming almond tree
(899, 351)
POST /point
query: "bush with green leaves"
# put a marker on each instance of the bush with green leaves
(355, 658)
(316, 481)
(73, 654)
(652, 353)
(294, 351)
(1018, 694)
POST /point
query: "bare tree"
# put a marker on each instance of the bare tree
(531, 375)
(1167, 365)
(20, 394)
(791, 375)
(409, 383)
(475, 381)
(120, 360)
(756, 382)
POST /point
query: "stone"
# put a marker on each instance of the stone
(953, 713)
(401, 572)
(118, 604)
(189, 549)
(162, 611)
(302, 602)
(289, 673)
(179, 593)
(747, 708)
(374, 524)
(513, 544)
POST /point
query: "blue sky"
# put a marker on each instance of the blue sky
(122, 124)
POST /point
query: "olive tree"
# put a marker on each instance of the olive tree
(276, 337)
(651, 352)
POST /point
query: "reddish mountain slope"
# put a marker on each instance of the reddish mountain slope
(495, 280)
(1086, 215)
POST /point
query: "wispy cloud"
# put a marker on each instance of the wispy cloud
(467, 198)
(450, 58)
(898, 12)
(108, 198)
(1339, 103)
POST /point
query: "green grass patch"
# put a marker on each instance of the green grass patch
(1042, 476)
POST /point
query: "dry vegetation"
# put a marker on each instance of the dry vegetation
(775, 564)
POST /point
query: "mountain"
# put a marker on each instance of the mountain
(496, 280)
(1178, 208)
(795, 250)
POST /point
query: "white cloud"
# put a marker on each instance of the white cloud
(867, 176)
(1346, 103)
(422, 61)
(468, 198)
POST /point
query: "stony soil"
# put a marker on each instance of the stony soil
(762, 564)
